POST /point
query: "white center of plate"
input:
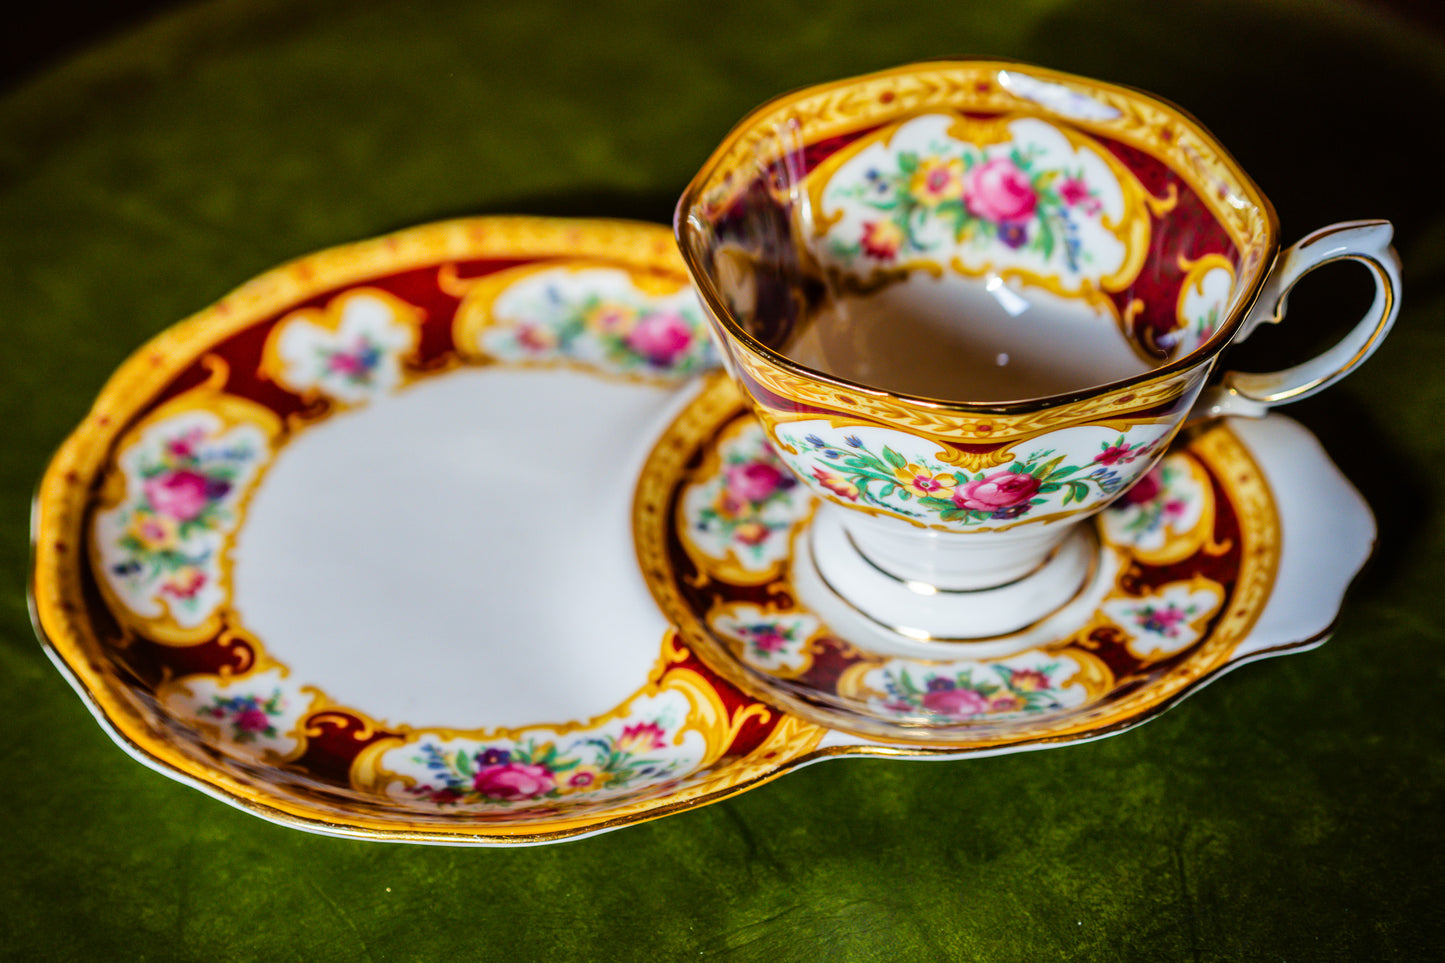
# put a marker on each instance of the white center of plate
(460, 555)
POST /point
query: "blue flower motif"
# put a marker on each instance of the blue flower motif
(237, 453)
(1107, 479)
(1072, 249)
(368, 356)
(854, 441)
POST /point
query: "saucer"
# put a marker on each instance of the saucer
(1197, 569)
(350, 549)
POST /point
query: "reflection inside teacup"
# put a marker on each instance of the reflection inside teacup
(959, 338)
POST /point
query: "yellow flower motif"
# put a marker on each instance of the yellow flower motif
(610, 317)
(751, 533)
(924, 483)
(156, 533)
(1028, 680)
(838, 485)
(184, 583)
(937, 179)
(583, 778)
(882, 239)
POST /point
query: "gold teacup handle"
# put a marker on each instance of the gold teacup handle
(1252, 395)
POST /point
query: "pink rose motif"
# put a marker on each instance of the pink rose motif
(183, 494)
(992, 493)
(252, 719)
(185, 446)
(955, 702)
(660, 338)
(1145, 490)
(442, 796)
(1164, 621)
(767, 638)
(1075, 193)
(358, 362)
(348, 364)
(998, 191)
(1113, 454)
(755, 482)
(514, 780)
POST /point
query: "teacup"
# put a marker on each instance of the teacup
(973, 302)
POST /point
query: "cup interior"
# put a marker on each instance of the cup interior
(975, 232)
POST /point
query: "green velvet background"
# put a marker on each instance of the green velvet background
(1291, 811)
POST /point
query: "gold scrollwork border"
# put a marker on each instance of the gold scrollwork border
(655, 276)
(727, 567)
(329, 319)
(114, 488)
(948, 428)
(769, 608)
(817, 113)
(708, 716)
(1194, 273)
(1200, 536)
(1092, 673)
(1131, 230)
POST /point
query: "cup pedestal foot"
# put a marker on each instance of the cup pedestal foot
(890, 613)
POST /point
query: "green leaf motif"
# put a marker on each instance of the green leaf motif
(1047, 473)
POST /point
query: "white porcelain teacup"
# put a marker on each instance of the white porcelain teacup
(973, 302)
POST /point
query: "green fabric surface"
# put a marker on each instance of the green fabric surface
(1291, 811)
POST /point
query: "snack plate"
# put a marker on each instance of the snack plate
(350, 550)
